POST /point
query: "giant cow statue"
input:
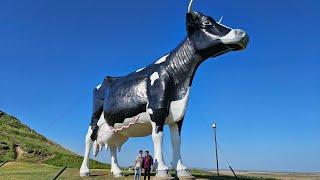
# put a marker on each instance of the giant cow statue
(142, 102)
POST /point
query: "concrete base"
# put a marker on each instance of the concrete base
(163, 178)
(171, 178)
(187, 178)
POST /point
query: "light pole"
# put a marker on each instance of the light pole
(214, 126)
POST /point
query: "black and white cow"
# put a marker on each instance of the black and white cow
(142, 102)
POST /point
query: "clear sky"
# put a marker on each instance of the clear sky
(265, 100)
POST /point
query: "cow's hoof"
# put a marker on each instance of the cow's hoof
(183, 173)
(118, 175)
(162, 173)
(84, 174)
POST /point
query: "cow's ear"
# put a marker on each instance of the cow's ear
(190, 23)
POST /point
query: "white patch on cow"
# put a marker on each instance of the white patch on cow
(101, 120)
(161, 60)
(178, 108)
(150, 111)
(98, 86)
(154, 77)
(140, 69)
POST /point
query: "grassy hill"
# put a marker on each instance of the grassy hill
(20, 143)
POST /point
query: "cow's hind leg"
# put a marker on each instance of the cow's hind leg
(177, 164)
(115, 170)
(84, 170)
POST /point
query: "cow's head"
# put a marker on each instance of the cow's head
(212, 38)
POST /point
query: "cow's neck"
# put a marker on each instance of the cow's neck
(183, 63)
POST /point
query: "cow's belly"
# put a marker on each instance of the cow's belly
(137, 126)
(137, 130)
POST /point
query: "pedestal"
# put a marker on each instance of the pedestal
(163, 178)
(171, 178)
(187, 178)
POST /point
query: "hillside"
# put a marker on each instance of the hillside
(20, 143)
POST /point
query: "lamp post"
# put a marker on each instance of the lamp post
(214, 126)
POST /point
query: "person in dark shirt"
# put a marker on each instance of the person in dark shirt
(147, 163)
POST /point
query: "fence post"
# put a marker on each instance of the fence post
(3, 163)
(60, 172)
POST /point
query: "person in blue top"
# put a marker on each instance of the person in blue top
(138, 166)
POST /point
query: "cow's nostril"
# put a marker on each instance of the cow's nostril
(240, 33)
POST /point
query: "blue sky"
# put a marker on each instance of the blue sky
(265, 99)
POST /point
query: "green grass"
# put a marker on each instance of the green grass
(35, 147)
(27, 170)
(74, 161)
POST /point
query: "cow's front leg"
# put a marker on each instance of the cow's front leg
(158, 118)
(177, 163)
(157, 108)
(157, 137)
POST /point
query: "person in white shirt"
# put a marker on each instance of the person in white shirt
(138, 166)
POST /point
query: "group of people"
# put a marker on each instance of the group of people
(143, 162)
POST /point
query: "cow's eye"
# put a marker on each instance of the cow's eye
(206, 23)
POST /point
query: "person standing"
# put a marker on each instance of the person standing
(147, 163)
(138, 166)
